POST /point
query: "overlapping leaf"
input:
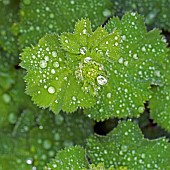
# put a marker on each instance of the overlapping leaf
(156, 12)
(72, 76)
(160, 102)
(140, 64)
(126, 146)
(122, 149)
(9, 16)
(70, 158)
(37, 18)
(112, 71)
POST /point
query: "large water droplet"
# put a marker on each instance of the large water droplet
(83, 50)
(87, 59)
(51, 89)
(43, 64)
(101, 80)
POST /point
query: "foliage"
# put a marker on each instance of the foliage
(112, 72)
(79, 58)
(123, 148)
(156, 12)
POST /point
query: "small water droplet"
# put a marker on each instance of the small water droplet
(109, 95)
(43, 64)
(101, 80)
(56, 64)
(51, 89)
(6, 98)
(54, 54)
(83, 50)
(29, 161)
(74, 98)
(47, 144)
(51, 15)
(53, 71)
(120, 60)
(87, 59)
(106, 13)
(141, 109)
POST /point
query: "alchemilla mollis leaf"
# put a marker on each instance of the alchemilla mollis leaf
(67, 72)
(140, 65)
(110, 68)
(70, 158)
(160, 102)
(37, 18)
(126, 146)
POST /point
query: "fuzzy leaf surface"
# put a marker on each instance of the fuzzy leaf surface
(126, 146)
(37, 18)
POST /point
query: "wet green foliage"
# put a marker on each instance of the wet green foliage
(79, 59)
(37, 18)
(122, 149)
(111, 73)
(156, 12)
(9, 16)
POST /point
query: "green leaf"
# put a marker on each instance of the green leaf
(160, 102)
(125, 146)
(70, 158)
(155, 11)
(138, 66)
(9, 16)
(37, 19)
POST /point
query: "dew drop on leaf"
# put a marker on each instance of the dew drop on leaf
(101, 80)
(43, 64)
(51, 89)
(54, 54)
(83, 50)
(109, 95)
(56, 64)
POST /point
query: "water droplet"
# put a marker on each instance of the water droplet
(109, 95)
(56, 64)
(53, 71)
(46, 58)
(43, 64)
(101, 80)
(27, 2)
(12, 118)
(135, 56)
(51, 15)
(6, 98)
(47, 144)
(83, 50)
(57, 136)
(51, 89)
(74, 98)
(143, 49)
(87, 59)
(126, 63)
(29, 161)
(54, 54)
(141, 109)
(120, 60)
(106, 13)
(84, 31)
